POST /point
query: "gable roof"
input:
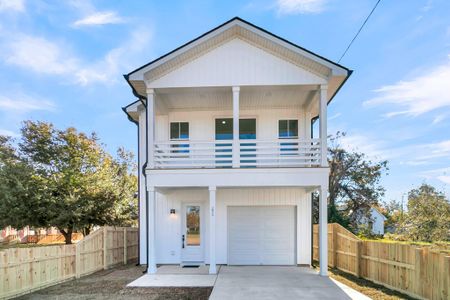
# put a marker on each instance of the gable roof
(163, 64)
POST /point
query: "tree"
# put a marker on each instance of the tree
(428, 216)
(393, 212)
(354, 184)
(71, 182)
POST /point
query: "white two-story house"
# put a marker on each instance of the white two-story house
(227, 162)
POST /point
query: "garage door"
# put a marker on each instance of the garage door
(261, 235)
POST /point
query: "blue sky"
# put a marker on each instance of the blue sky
(62, 61)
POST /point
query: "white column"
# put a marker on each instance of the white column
(323, 230)
(236, 147)
(151, 268)
(150, 127)
(212, 230)
(323, 124)
(142, 190)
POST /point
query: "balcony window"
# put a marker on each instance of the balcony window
(179, 131)
(288, 129)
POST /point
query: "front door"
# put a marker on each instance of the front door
(192, 234)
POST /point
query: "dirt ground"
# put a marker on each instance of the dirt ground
(111, 285)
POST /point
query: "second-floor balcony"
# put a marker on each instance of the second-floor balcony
(245, 153)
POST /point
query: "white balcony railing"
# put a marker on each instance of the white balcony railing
(252, 154)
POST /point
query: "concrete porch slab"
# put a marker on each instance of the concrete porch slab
(176, 276)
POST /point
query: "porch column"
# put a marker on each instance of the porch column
(323, 124)
(212, 230)
(236, 147)
(150, 128)
(151, 215)
(323, 230)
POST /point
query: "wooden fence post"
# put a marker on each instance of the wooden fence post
(78, 259)
(125, 246)
(335, 245)
(105, 244)
(358, 259)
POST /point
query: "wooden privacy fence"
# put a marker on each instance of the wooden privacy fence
(23, 270)
(417, 272)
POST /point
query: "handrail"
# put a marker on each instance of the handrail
(303, 152)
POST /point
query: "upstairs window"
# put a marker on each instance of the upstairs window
(179, 131)
(288, 129)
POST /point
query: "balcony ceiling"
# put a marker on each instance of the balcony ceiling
(220, 98)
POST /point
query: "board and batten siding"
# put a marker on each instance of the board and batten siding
(202, 123)
(168, 227)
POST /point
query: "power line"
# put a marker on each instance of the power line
(356, 35)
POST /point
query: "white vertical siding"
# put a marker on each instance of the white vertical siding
(202, 123)
(168, 226)
(304, 228)
(237, 63)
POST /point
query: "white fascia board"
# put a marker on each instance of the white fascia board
(135, 107)
(279, 177)
(335, 69)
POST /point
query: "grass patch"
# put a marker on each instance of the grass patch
(366, 287)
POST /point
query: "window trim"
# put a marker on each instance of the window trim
(240, 118)
(288, 137)
(179, 131)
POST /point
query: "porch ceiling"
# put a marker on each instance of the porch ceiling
(220, 98)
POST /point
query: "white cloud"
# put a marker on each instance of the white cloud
(99, 18)
(300, 6)
(411, 154)
(335, 116)
(419, 95)
(375, 149)
(38, 54)
(109, 68)
(442, 174)
(43, 56)
(8, 133)
(21, 103)
(12, 5)
(444, 179)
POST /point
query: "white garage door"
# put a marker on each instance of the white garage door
(261, 235)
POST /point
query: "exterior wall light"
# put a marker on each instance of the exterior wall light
(172, 211)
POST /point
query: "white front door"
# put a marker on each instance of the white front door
(192, 234)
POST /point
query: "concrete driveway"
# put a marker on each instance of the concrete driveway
(266, 282)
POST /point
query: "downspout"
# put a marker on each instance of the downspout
(312, 205)
(139, 185)
(145, 177)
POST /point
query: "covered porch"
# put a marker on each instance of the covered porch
(245, 217)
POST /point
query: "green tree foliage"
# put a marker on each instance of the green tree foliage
(65, 178)
(393, 212)
(428, 216)
(354, 184)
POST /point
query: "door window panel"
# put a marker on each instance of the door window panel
(193, 225)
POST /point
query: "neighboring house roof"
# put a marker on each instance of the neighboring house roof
(237, 27)
(375, 209)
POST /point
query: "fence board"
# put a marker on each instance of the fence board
(417, 272)
(23, 270)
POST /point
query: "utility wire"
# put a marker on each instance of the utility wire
(356, 35)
